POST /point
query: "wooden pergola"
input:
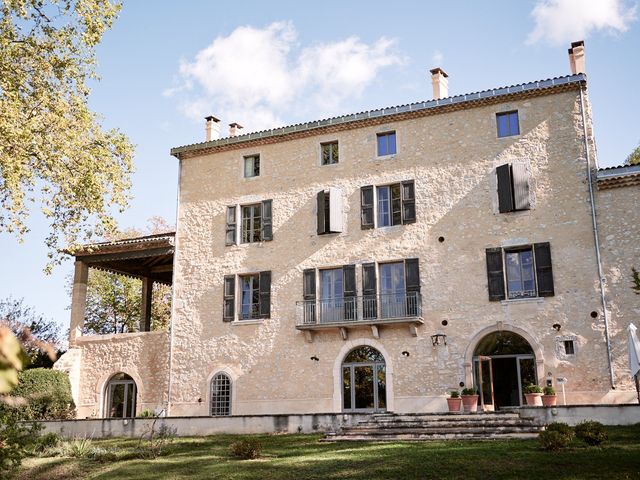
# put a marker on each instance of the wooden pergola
(149, 258)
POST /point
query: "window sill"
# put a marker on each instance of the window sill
(253, 321)
(513, 301)
(390, 156)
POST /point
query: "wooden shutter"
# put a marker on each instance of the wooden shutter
(408, 202)
(366, 207)
(230, 237)
(229, 301)
(495, 275)
(544, 272)
(336, 208)
(520, 179)
(265, 294)
(349, 291)
(320, 199)
(309, 295)
(412, 285)
(369, 291)
(267, 228)
(505, 190)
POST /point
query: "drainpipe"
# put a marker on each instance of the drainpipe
(173, 289)
(597, 242)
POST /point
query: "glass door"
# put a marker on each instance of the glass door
(484, 381)
(331, 296)
(392, 290)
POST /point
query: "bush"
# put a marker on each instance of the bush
(102, 455)
(246, 449)
(77, 448)
(561, 428)
(591, 432)
(48, 395)
(45, 442)
(553, 441)
(16, 439)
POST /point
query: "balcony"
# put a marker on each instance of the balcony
(354, 312)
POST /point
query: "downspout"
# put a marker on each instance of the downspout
(173, 289)
(597, 242)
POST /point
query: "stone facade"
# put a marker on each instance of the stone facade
(451, 152)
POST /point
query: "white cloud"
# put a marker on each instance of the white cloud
(258, 77)
(562, 21)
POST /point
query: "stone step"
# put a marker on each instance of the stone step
(442, 425)
(425, 430)
(431, 436)
(442, 417)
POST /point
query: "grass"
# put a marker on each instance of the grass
(303, 457)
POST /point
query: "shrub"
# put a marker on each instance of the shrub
(532, 388)
(48, 395)
(469, 391)
(454, 394)
(553, 441)
(102, 455)
(146, 414)
(561, 428)
(591, 432)
(45, 442)
(549, 391)
(246, 449)
(15, 440)
(78, 448)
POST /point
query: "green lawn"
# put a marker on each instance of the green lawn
(303, 457)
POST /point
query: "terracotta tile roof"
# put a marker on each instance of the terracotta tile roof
(619, 176)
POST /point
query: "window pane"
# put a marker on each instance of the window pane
(363, 384)
(248, 167)
(391, 143)
(334, 153)
(384, 213)
(346, 387)
(396, 205)
(503, 127)
(514, 128)
(117, 401)
(382, 145)
(382, 386)
(326, 154)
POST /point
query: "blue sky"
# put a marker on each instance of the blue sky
(166, 64)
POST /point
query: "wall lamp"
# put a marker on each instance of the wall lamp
(315, 359)
(557, 327)
(438, 339)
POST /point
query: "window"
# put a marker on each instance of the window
(513, 187)
(220, 395)
(251, 166)
(386, 143)
(520, 272)
(330, 154)
(394, 205)
(255, 223)
(337, 299)
(507, 123)
(254, 300)
(329, 211)
(120, 397)
(569, 348)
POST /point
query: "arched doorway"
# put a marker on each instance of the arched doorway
(120, 397)
(503, 363)
(364, 382)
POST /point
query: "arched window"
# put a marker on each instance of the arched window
(220, 395)
(120, 397)
(364, 383)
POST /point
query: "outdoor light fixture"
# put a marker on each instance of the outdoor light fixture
(315, 359)
(438, 339)
(557, 327)
(405, 353)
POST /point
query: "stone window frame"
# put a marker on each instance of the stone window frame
(329, 144)
(224, 405)
(508, 133)
(255, 166)
(386, 133)
(561, 353)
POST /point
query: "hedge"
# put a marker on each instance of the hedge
(48, 395)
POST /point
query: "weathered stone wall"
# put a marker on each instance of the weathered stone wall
(144, 356)
(452, 158)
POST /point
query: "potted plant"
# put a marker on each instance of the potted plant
(454, 401)
(533, 394)
(549, 397)
(470, 399)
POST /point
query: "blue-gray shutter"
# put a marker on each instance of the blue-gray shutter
(366, 207)
(505, 189)
(320, 214)
(349, 291)
(309, 295)
(267, 222)
(412, 285)
(369, 291)
(520, 179)
(408, 202)
(544, 272)
(230, 236)
(495, 274)
(229, 300)
(265, 294)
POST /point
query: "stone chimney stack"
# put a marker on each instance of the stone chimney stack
(212, 128)
(576, 57)
(233, 129)
(440, 83)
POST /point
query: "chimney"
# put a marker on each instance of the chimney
(440, 83)
(233, 129)
(576, 57)
(212, 128)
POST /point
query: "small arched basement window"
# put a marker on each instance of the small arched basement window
(220, 395)
(120, 397)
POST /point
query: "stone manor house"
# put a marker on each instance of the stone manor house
(373, 261)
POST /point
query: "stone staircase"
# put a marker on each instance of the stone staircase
(438, 426)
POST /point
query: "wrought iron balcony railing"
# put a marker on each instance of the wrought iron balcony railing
(367, 308)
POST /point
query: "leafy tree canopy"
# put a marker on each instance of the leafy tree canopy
(53, 150)
(634, 157)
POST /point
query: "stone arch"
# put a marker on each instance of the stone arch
(501, 327)
(232, 374)
(337, 370)
(103, 381)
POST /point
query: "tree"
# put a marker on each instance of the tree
(114, 301)
(53, 149)
(634, 157)
(40, 337)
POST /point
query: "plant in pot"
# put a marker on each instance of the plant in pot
(470, 399)
(549, 397)
(454, 401)
(533, 394)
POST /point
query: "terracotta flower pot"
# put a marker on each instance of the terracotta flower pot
(533, 399)
(470, 403)
(549, 400)
(454, 404)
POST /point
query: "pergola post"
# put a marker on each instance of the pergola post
(78, 300)
(145, 307)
